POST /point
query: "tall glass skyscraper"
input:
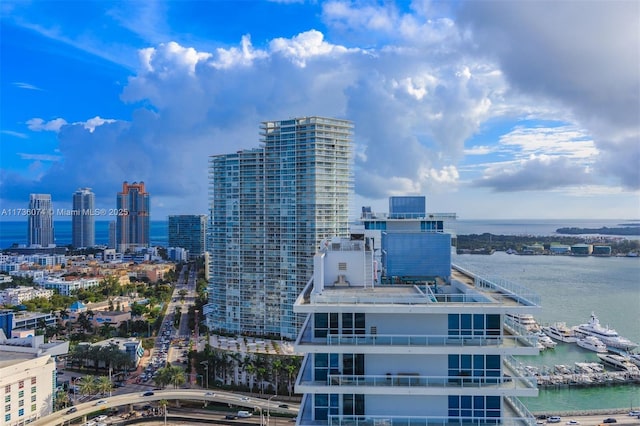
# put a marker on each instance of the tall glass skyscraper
(83, 231)
(132, 221)
(270, 209)
(40, 220)
(188, 231)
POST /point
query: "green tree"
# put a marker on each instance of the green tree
(103, 385)
(87, 385)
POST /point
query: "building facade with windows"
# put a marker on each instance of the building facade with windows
(27, 378)
(132, 217)
(40, 221)
(270, 208)
(83, 228)
(188, 232)
(424, 347)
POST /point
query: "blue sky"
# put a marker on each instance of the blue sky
(490, 109)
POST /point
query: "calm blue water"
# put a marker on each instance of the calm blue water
(16, 232)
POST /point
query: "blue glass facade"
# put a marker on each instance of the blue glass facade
(416, 254)
(407, 207)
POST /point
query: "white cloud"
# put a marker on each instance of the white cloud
(15, 134)
(27, 86)
(94, 122)
(39, 125)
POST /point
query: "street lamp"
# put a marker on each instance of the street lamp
(269, 408)
(206, 369)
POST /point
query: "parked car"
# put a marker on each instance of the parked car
(71, 410)
(100, 418)
(609, 420)
(634, 413)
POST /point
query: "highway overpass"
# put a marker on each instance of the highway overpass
(86, 408)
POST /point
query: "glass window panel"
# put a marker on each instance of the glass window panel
(465, 321)
(478, 401)
(321, 320)
(347, 321)
(321, 360)
(465, 361)
(453, 361)
(493, 402)
(454, 401)
(333, 320)
(493, 322)
(321, 399)
(478, 322)
(465, 401)
(493, 362)
(360, 320)
(478, 362)
(454, 322)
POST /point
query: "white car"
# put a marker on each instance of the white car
(101, 418)
(634, 413)
(573, 422)
(101, 402)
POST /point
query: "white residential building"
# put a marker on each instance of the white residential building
(27, 378)
(66, 287)
(17, 295)
(409, 349)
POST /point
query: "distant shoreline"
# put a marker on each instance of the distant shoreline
(628, 229)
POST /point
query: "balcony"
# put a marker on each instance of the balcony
(402, 384)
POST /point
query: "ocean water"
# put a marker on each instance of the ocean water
(16, 232)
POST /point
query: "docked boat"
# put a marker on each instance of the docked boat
(526, 321)
(593, 344)
(607, 335)
(545, 341)
(619, 361)
(635, 359)
(560, 331)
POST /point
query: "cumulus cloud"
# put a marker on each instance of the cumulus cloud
(536, 174)
(585, 55)
(39, 125)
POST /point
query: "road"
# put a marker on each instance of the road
(83, 409)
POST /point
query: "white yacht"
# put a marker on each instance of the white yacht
(619, 361)
(560, 331)
(607, 335)
(527, 321)
(546, 341)
(593, 344)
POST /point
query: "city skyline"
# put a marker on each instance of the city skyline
(493, 110)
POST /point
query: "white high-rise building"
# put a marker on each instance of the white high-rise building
(40, 220)
(83, 232)
(270, 208)
(411, 345)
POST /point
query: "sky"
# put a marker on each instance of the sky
(491, 109)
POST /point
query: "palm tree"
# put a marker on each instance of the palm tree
(104, 385)
(291, 368)
(163, 403)
(276, 365)
(87, 385)
(178, 376)
(62, 400)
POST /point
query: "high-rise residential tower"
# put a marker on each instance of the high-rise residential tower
(188, 232)
(415, 340)
(270, 209)
(83, 232)
(40, 220)
(132, 219)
